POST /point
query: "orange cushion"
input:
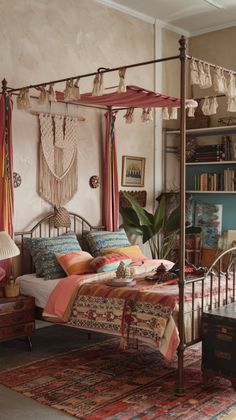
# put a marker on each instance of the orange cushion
(75, 262)
(133, 252)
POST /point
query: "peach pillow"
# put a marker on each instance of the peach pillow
(75, 262)
(133, 252)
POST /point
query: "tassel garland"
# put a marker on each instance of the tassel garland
(129, 116)
(122, 87)
(52, 94)
(98, 85)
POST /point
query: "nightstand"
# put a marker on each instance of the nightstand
(219, 343)
(17, 318)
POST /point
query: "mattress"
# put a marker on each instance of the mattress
(37, 287)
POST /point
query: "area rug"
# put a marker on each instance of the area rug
(101, 382)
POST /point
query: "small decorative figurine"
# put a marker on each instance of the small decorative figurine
(122, 272)
(94, 181)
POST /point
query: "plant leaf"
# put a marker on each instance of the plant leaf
(145, 218)
(159, 215)
(173, 221)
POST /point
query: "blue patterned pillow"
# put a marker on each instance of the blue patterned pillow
(43, 252)
(100, 240)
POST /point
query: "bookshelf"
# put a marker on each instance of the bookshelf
(218, 185)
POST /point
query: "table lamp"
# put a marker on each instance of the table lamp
(8, 249)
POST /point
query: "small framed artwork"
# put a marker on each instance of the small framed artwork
(133, 169)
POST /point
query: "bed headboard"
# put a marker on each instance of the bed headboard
(45, 228)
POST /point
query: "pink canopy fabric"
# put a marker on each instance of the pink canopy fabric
(134, 97)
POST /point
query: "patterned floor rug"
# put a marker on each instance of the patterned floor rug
(101, 382)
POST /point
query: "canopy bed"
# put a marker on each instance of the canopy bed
(190, 295)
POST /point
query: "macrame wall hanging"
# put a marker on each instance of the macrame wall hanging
(58, 169)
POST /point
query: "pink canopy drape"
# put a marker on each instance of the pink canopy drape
(6, 169)
(110, 190)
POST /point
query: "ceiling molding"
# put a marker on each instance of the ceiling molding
(173, 28)
(127, 10)
(212, 29)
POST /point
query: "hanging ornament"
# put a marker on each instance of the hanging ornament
(219, 82)
(213, 106)
(69, 91)
(206, 106)
(173, 113)
(231, 88)
(208, 79)
(129, 116)
(146, 115)
(194, 77)
(76, 89)
(122, 87)
(52, 94)
(43, 96)
(165, 113)
(16, 179)
(98, 84)
(201, 75)
(94, 181)
(23, 101)
(231, 104)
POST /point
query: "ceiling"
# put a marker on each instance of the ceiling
(189, 17)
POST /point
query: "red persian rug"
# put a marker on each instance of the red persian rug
(101, 382)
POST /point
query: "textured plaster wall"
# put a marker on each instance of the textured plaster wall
(45, 40)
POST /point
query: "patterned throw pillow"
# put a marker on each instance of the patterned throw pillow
(133, 252)
(109, 262)
(43, 252)
(75, 262)
(100, 240)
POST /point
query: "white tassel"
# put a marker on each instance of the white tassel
(68, 92)
(213, 106)
(129, 116)
(202, 75)
(191, 111)
(96, 83)
(100, 89)
(194, 78)
(146, 115)
(165, 113)
(231, 88)
(43, 97)
(52, 94)
(219, 82)
(76, 89)
(122, 87)
(208, 79)
(23, 101)
(173, 113)
(206, 106)
(231, 104)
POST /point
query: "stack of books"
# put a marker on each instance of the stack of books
(210, 153)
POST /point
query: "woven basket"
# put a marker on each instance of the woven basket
(12, 290)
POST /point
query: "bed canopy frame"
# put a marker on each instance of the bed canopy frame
(151, 99)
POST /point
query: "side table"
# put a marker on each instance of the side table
(17, 318)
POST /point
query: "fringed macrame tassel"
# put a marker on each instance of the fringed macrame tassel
(173, 113)
(201, 75)
(208, 79)
(213, 106)
(165, 113)
(52, 94)
(98, 85)
(219, 82)
(231, 88)
(191, 111)
(129, 116)
(231, 104)
(146, 115)
(194, 78)
(43, 97)
(23, 100)
(191, 107)
(76, 89)
(206, 106)
(122, 87)
(57, 191)
(69, 90)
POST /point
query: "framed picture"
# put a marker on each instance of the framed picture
(133, 169)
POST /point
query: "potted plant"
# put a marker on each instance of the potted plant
(159, 229)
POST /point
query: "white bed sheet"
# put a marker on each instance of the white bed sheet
(37, 287)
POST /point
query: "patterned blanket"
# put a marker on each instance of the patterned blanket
(133, 312)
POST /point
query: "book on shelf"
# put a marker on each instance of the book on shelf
(210, 181)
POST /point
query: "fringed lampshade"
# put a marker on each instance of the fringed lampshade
(8, 248)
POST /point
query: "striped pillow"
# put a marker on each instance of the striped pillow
(133, 252)
(100, 240)
(109, 262)
(75, 262)
(43, 252)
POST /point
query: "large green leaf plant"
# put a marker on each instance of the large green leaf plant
(159, 229)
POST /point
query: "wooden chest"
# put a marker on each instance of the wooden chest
(17, 317)
(219, 341)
